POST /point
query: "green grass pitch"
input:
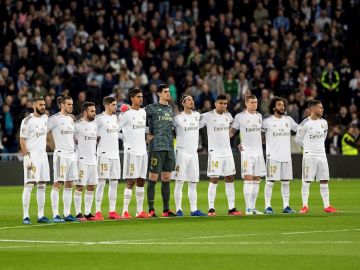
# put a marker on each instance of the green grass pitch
(313, 241)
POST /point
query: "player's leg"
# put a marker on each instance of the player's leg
(272, 174)
(90, 181)
(165, 193)
(139, 193)
(168, 161)
(127, 197)
(79, 186)
(26, 195)
(268, 194)
(41, 188)
(103, 169)
(29, 182)
(214, 170)
(114, 175)
(247, 174)
(71, 175)
(140, 190)
(259, 171)
(60, 168)
(99, 194)
(308, 174)
(230, 194)
(228, 170)
(154, 170)
(323, 174)
(192, 173)
(89, 198)
(180, 170)
(286, 176)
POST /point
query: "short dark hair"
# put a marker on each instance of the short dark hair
(273, 103)
(221, 97)
(62, 98)
(134, 91)
(86, 105)
(161, 87)
(38, 99)
(313, 103)
(250, 97)
(108, 100)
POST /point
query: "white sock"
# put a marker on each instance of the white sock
(67, 199)
(324, 191)
(285, 192)
(178, 194)
(99, 194)
(248, 187)
(255, 192)
(113, 185)
(139, 191)
(305, 190)
(77, 201)
(127, 198)
(89, 197)
(40, 197)
(230, 193)
(268, 193)
(192, 194)
(212, 195)
(54, 196)
(26, 199)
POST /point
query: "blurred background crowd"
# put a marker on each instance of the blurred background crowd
(297, 49)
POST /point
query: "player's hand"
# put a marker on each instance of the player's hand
(149, 138)
(27, 162)
(124, 108)
(240, 147)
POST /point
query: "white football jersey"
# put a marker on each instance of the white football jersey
(187, 132)
(62, 128)
(133, 124)
(311, 134)
(108, 130)
(218, 132)
(277, 134)
(249, 125)
(86, 136)
(33, 130)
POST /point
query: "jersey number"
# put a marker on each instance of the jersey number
(104, 167)
(154, 161)
(215, 164)
(81, 173)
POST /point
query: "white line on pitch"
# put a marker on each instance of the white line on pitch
(176, 243)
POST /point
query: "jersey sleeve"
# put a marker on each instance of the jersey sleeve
(325, 129)
(24, 129)
(300, 133)
(236, 122)
(231, 119)
(122, 120)
(149, 119)
(293, 125)
(265, 125)
(51, 124)
(203, 119)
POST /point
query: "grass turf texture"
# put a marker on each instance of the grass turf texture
(313, 241)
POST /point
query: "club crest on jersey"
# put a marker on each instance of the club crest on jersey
(286, 125)
(322, 126)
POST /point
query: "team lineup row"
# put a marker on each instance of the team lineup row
(86, 155)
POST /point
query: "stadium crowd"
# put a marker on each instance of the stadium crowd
(297, 49)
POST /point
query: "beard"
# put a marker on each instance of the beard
(39, 112)
(280, 112)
